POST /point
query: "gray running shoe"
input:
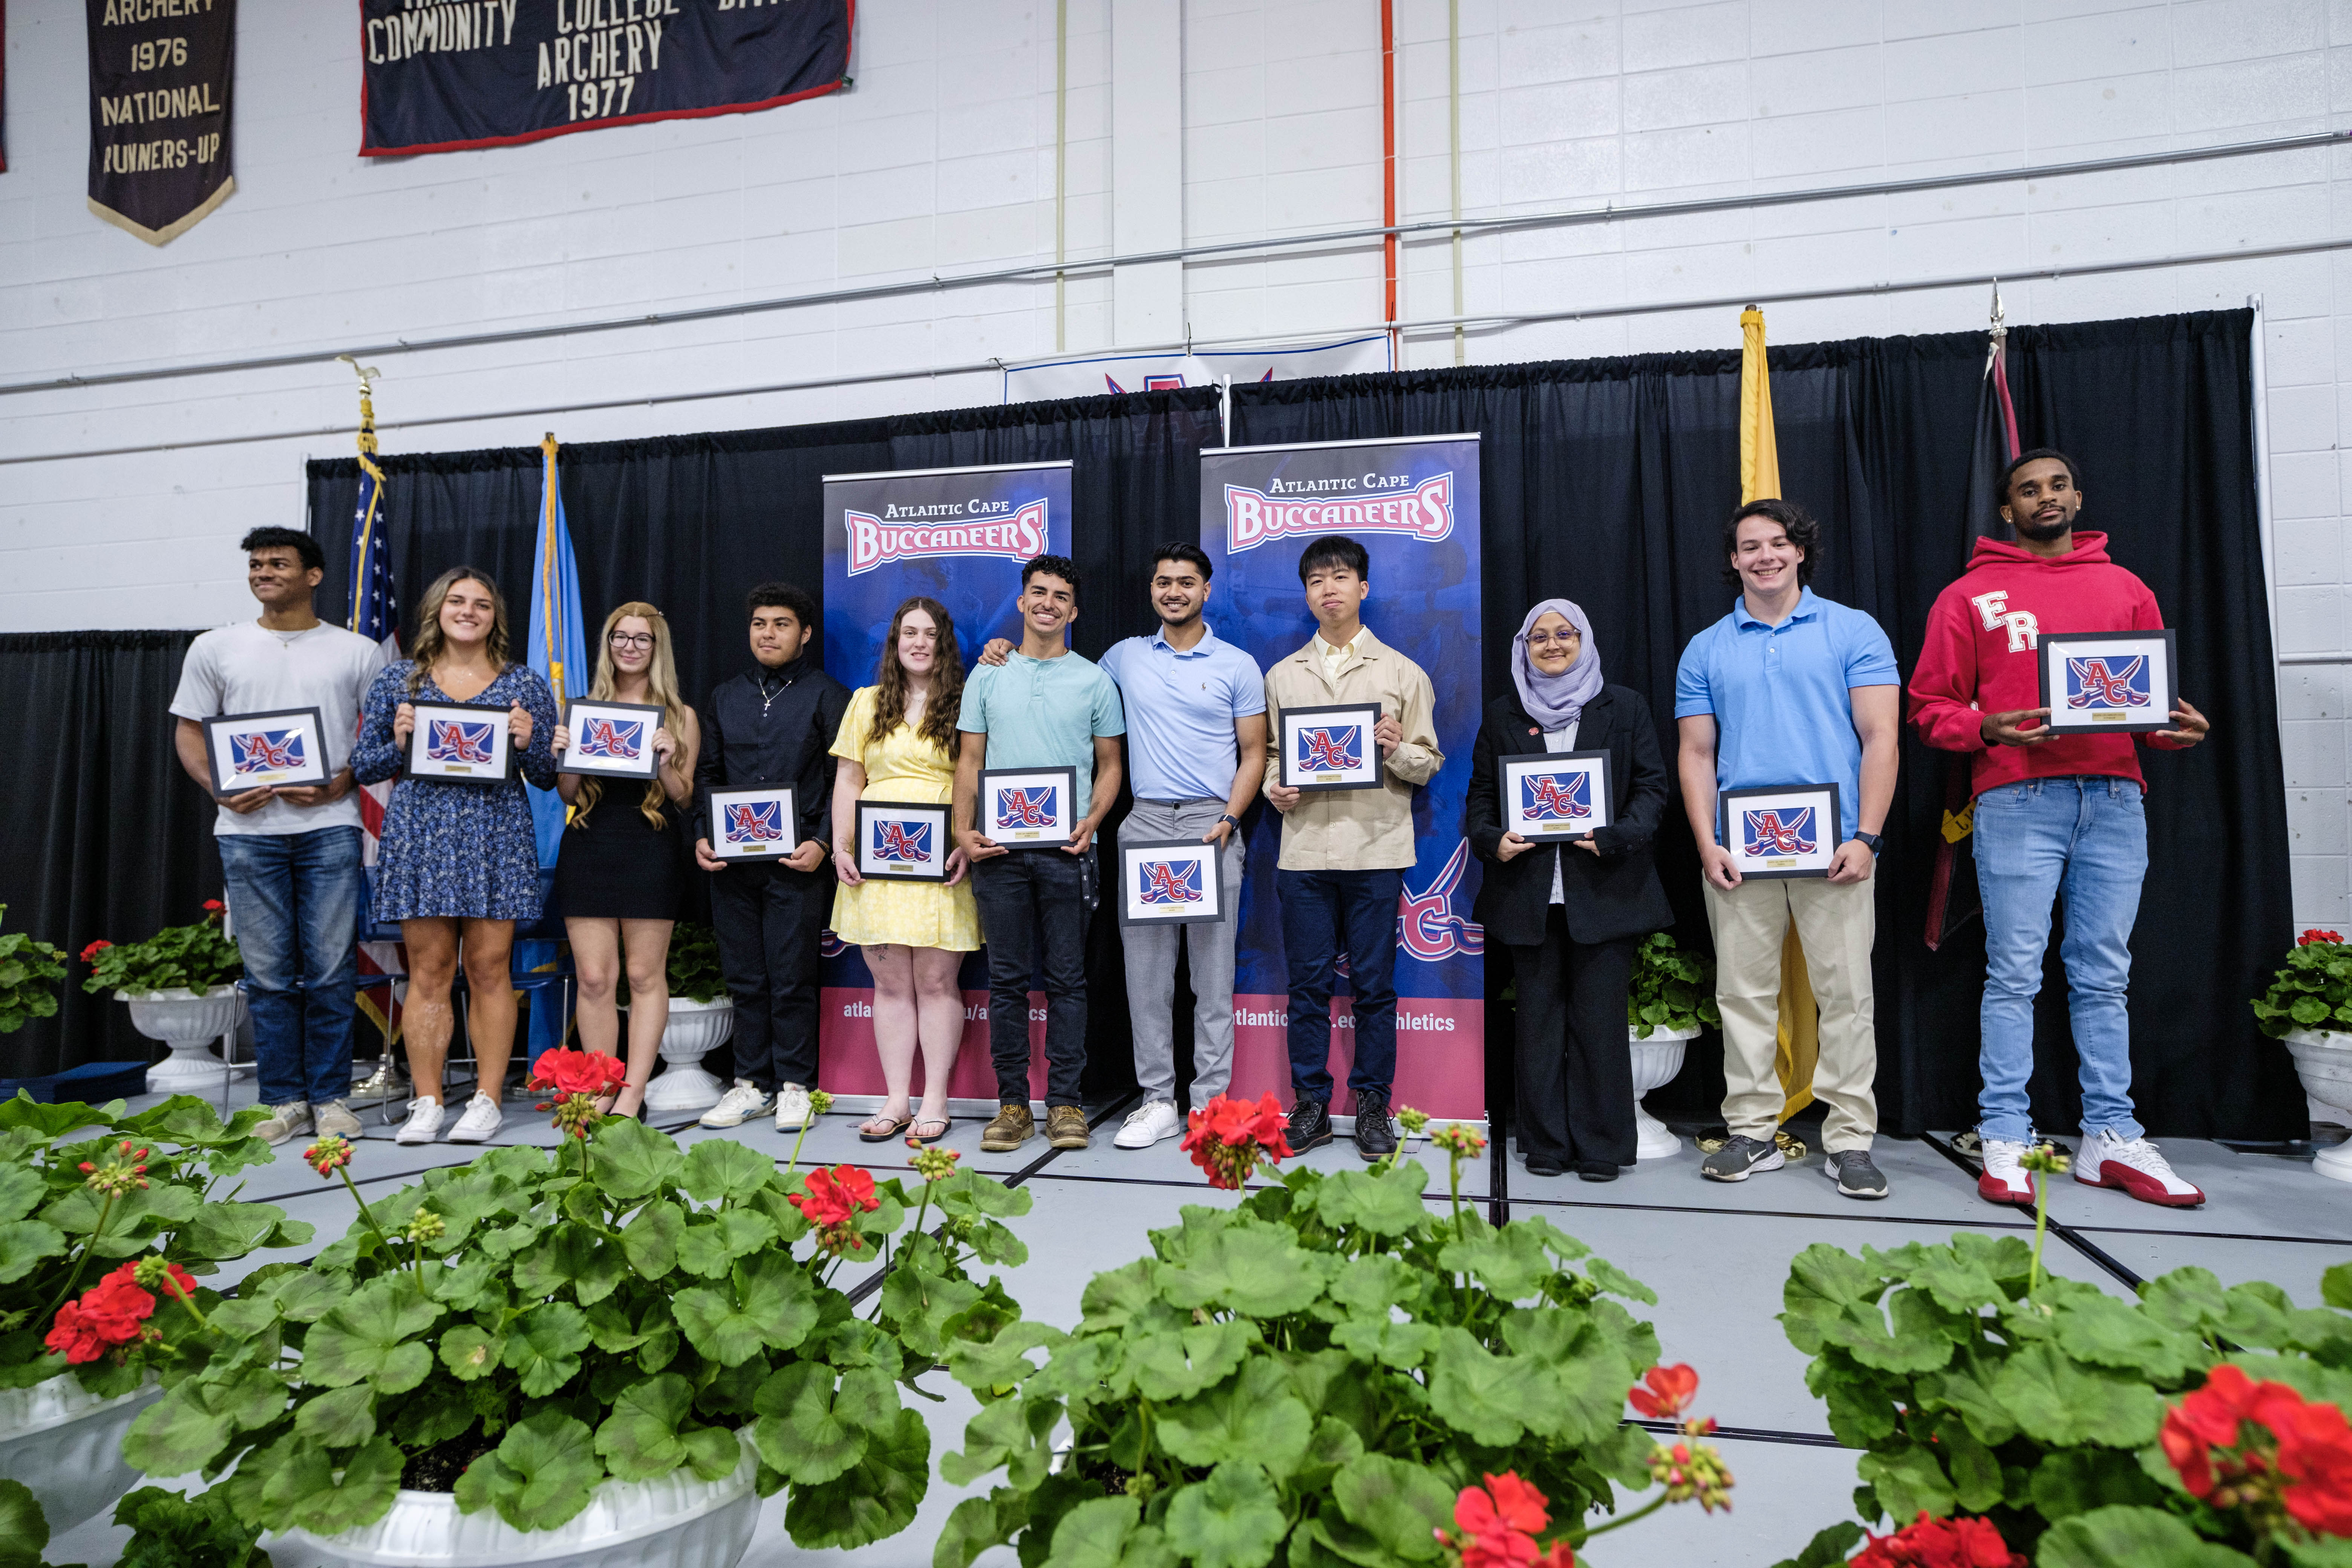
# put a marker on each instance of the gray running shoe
(1741, 1158)
(1855, 1176)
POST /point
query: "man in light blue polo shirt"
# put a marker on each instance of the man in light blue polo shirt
(1789, 688)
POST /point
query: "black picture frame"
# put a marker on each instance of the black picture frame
(647, 767)
(1507, 771)
(225, 781)
(1040, 838)
(865, 852)
(753, 849)
(416, 765)
(1132, 854)
(1365, 714)
(1826, 846)
(2051, 655)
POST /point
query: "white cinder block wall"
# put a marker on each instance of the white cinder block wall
(941, 160)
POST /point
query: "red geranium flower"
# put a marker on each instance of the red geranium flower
(214, 906)
(1499, 1523)
(1959, 1542)
(2262, 1447)
(1669, 1393)
(89, 954)
(112, 1313)
(590, 1073)
(2314, 933)
(835, 1197)
(1227, 1138)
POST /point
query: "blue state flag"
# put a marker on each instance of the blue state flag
(558, 649)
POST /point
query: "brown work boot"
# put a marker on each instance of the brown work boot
(1066, 1127)
(1014, 1127)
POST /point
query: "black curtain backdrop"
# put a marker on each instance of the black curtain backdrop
(107, 837)
(1607, 481)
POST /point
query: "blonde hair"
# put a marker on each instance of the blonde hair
(661, 678)
(432, 642)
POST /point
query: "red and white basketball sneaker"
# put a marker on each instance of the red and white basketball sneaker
(2108, 1161)
(2005, 1180)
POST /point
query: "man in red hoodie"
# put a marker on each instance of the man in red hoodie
(2056, 816)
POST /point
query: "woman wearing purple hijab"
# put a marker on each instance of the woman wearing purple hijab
(1571, 909)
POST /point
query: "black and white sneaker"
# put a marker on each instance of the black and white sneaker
(1855, 1176)
(1740, 1159)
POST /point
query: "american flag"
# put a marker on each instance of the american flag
(1552, 797)
(266, 751)
(755, 822)
(1769, 833)
(903, 843)
(1168, 881)
(2090, 684)
(616, 739)
(1336, 748)
(454, 741)
(375, 613)
(1026, 807)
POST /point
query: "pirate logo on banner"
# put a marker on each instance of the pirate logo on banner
(159, 107)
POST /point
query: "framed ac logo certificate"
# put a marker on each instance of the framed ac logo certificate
(1561, 795)
(460, 743)
(2116, 683)
(1171, 881)
(262, 750)
(1029, 808)
(1330, 747)
(1781, 830)
(899, 842)
(612, 740)
(753, 824)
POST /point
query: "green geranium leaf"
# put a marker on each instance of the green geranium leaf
(1617, 1282)
(223, 1231)
(370, 1336)
(544, 1346)
(1170, 1366)
(1370, 1285)
(1828, 1548)
(720, 1168)
(1114, 1299)
(1257, 1270)
(470, 1353)
(1233, 1519)
(1822, 1283)
(1511, 1262)
(24, 1243)
(709, 1247)
(1104, 1534)
(2106, 1332)
(1907, 1479)
(2131, 1538)
(543, 1475)
(814, 1430)
(1388, 1203)
(978, 1523)
(970, 1193)
(2076, 1480)
(339, 1418)
(1399, 1505)
(767, 1301)
(2334, 1286)
(1403, 1346)
(919, 1305)
(24, 1530)
(640, 1439)
(632, 1160)
(649, 1241)
(1012, 1433)
(2062, 1404)
(1915, 1344)
(712, 1452)
(319, 1497)
(1252, 1416)
(177, 1434)
(2190, 1299)
(1492, 1399)
(574, 1255)
(876, 1499)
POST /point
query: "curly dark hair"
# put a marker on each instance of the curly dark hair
(1798, 523)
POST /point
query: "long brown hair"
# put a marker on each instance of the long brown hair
(946, 700)
(432, 642)
(661, 678)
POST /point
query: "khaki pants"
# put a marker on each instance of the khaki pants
(1838, 924)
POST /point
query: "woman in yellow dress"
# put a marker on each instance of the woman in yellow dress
(899, 742)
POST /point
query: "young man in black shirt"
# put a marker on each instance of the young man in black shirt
(773, 724)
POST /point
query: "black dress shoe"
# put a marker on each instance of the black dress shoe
(1309, 1126)
(1375, 1133)
(1545, 1166)
(1596, 1171)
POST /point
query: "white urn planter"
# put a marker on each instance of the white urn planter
(677, 1520)
(1655, 1062)
(191, 1023)
(66, 1444)
(695, 1029)
(2325, 1063)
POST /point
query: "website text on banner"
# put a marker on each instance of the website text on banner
(958, 536)
(1413, 506)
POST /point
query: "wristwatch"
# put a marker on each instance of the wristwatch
(1234, 821)
(1870, 841)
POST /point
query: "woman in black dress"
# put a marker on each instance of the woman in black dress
(1570, 913)
(621, 870)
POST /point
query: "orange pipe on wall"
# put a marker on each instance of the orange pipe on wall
(1387, 167)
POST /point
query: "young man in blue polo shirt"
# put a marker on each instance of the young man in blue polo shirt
(1046, 708)
(1791, 688)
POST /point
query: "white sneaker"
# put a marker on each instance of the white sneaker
(482, 1118)
(2005, 1180)
(2107, 1160)
(288, 1121)
(424, 1123)
(738, 1105)
(792, 1108)
(1147, 1123)
(336, 1118)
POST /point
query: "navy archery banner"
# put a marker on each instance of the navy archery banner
(439, 76)
(1413, 506)
(958, 536)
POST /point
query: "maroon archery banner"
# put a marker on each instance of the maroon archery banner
(443, 76)
(159, 112)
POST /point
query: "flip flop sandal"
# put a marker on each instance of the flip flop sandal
(896, 1130)
(943, 1123)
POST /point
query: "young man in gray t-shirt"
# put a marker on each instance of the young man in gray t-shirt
(291, 856)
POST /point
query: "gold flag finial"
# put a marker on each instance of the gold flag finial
(367, 375)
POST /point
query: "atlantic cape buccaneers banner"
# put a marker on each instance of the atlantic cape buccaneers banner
(958, 536)
(1413, 506)
(159, 72)
(441, 75)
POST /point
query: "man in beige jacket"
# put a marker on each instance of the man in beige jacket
(1345, 851)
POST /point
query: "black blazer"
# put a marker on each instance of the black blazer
(1605, 898)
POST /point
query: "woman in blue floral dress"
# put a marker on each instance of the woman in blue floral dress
(458, 863)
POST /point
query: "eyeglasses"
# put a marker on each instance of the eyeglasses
(632, 639)
(1545, 640)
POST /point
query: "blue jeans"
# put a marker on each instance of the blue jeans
(1324, 914)
(295, 901)
(2082, 838)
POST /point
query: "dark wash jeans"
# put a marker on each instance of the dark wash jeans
(1324, 914)
(1033, 903)
(294, 900)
